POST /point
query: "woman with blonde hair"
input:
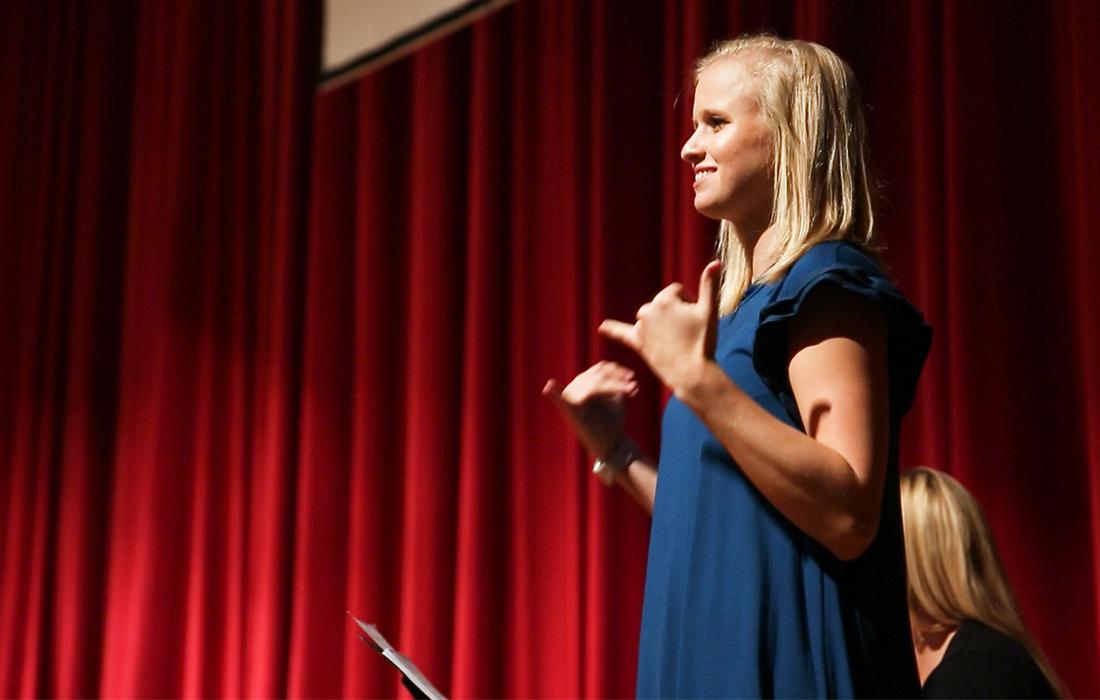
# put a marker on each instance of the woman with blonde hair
(968, 634)
(776, 561)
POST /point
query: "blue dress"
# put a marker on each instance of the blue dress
(738, 601)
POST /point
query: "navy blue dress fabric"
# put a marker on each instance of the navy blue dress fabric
(738, 601)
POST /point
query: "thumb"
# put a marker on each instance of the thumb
(708, 298)
(708, 286)
(552, 390)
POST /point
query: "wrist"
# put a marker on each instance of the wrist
(696, 385)
(621, 457)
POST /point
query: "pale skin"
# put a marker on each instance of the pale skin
(827, 481)
(930, 648)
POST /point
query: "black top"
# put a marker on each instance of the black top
(981, 662)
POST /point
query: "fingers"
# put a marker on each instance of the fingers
(673, 292)
(624, 333)
(602, 380)
(552, 390)
(607, 368)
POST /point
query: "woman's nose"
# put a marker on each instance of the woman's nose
(691, 152)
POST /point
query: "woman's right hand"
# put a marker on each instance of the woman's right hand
(593, 403)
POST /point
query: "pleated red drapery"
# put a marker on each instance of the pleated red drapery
(155, 157)
(270, 356)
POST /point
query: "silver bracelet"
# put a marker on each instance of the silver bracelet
(624, 454)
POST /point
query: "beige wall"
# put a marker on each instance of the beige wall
(353, 28)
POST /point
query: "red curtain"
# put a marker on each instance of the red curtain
(154, 164)
(268, 357)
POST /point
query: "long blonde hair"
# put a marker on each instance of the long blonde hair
(823, 189)
(955, 572)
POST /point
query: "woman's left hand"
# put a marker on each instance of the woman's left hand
(674, 335)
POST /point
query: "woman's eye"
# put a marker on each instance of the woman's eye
(716, 122)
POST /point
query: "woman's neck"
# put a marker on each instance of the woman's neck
(930, 648)
(760, 244)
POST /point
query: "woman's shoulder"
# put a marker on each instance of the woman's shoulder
(853, 271)
(844, 263)
(835, 254)
(984, 662)
(977, 637)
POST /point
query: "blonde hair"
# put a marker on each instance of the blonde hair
(954, 571)
(823, 189)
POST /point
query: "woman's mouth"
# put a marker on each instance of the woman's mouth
(702, 174)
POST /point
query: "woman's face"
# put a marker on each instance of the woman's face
(731, 147)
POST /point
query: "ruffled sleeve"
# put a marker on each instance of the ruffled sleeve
(848, 267)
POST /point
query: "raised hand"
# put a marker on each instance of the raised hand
(674, 335)
(593, 403)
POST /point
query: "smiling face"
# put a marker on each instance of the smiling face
(731, 148)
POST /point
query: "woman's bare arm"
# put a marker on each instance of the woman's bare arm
(827, 481)
(639, 480)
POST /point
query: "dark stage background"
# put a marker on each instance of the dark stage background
(268, 356)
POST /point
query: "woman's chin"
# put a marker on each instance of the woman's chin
(708, 209)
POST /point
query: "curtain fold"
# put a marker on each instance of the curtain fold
(270, 356)
(154, 157)
(1076, 57)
